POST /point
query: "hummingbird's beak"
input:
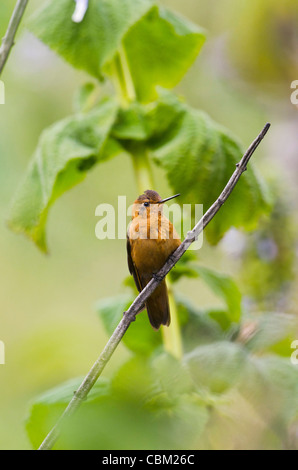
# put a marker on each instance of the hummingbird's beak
(168, 199)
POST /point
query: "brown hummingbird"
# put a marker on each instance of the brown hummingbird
(151, 239)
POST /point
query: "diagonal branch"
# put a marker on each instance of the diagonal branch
(8, 40)
(130, 315)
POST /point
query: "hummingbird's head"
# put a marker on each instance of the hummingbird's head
(149, 202)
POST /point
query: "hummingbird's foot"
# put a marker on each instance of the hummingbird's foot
(157, 278)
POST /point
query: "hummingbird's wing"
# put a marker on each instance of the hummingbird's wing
(132, 268)
(157, 304)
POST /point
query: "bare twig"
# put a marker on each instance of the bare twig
(129, 316)
(8, 40)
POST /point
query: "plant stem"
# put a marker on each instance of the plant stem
(122, 78)
(130, 315)
(8, 40)
(128, 80)
(142, 167)
(172, 336)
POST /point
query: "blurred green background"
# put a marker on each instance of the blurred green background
(48, 322)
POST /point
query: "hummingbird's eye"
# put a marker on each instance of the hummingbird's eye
(146, 204)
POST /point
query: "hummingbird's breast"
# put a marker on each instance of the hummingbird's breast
(152, 242)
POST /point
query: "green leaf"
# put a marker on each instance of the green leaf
(273, 332)
(160, 49)
(184, 267)
(283, 376)
(221, 285)
(172, 375)
(131, 124)
(132, 408)
(199, 157)
(196, 325)
(270, 384)
(217, 366)
(225, 288)
(135, 380)
(156, 46)
(88, 45)
(85, 97)
(48, 407)
(66, 151)
(140, 336)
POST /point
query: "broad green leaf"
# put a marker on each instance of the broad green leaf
(184, 267)
(273, 332)
(153, 45)
(270, 384)
(217, 367)
(88, 45)
(65, 152)
(163, 386)
(85, 97)
(199, 157)
(225, 288)
(131, 124)
(196, 325)
(48, 407)
(108, 420)
(223, 318)
(282, 374)
(131, 408)
(140, 336)
(221, 285)
(135, 380)
(171, 375)
(159, 50)
(151, 122)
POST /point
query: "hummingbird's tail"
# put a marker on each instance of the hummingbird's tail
(157, 306)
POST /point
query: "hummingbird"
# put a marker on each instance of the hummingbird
(151, 239)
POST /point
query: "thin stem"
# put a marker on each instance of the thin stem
(172, 336)
(129, 84)
(8, 40)
(142, 167)
(122, 79)
(129, 316)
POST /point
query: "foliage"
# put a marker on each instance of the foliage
(156, 400)
(197, 155)
(172, 404)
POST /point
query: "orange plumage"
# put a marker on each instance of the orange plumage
(151, 239)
